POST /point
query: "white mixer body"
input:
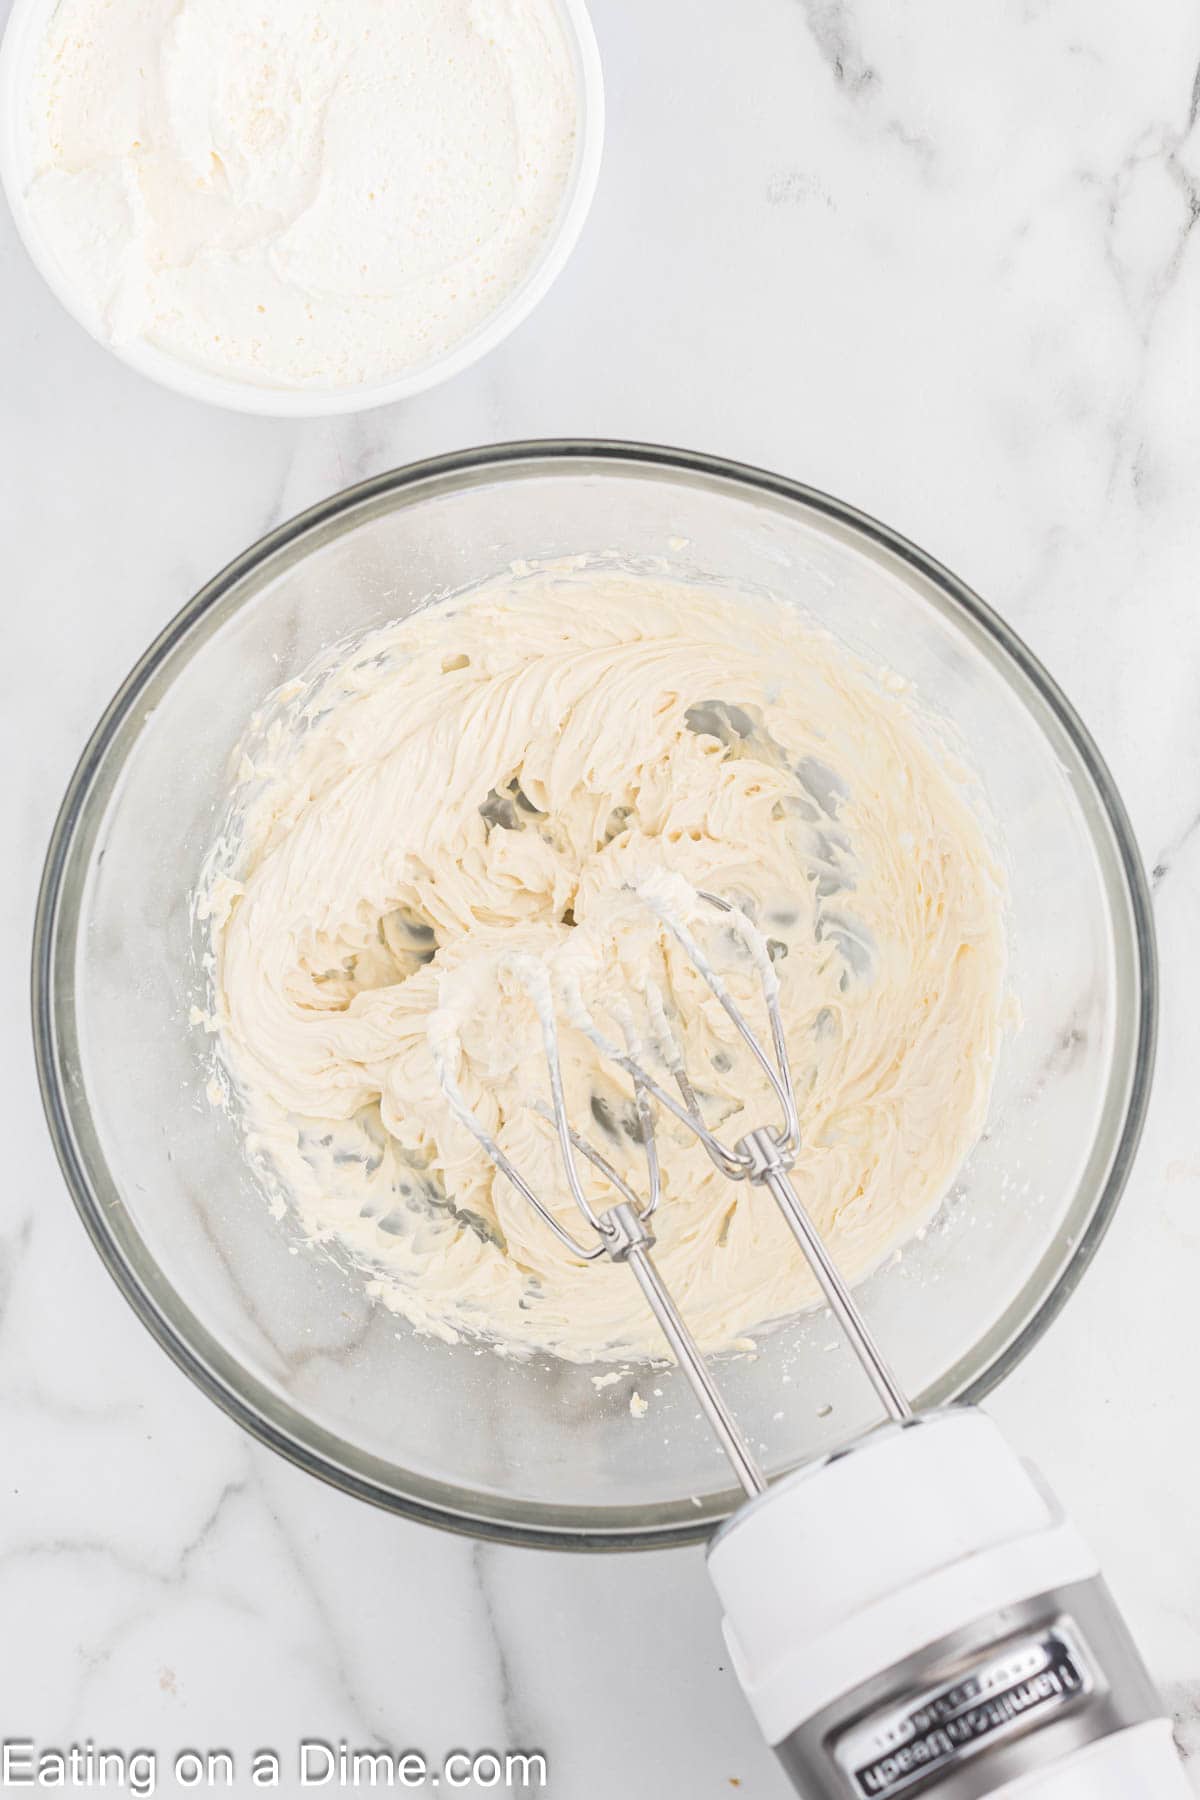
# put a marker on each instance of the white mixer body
(917, 1616)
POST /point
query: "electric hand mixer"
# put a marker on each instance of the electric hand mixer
(914, 1614)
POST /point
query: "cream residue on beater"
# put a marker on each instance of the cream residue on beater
(481, 790)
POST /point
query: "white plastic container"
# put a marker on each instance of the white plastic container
(27, 26)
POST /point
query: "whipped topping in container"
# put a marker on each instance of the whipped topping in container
(300, 194)
(516, 792)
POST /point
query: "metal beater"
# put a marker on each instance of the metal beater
(969, 1649)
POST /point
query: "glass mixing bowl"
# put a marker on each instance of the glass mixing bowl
(284, 1338)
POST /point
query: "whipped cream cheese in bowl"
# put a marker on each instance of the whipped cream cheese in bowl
(303, 207)
(594, 591)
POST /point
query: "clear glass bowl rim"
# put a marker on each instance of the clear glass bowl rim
(254, 1410)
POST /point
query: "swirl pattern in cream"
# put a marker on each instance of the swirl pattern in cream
(488, 778)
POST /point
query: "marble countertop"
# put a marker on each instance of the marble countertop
(937, 259)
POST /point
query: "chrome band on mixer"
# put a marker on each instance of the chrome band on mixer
(1008, 1689)
(1014, 1691)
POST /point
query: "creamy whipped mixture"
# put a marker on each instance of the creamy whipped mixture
(496, 793)
(300, 193)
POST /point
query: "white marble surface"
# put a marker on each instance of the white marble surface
(938, 259)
